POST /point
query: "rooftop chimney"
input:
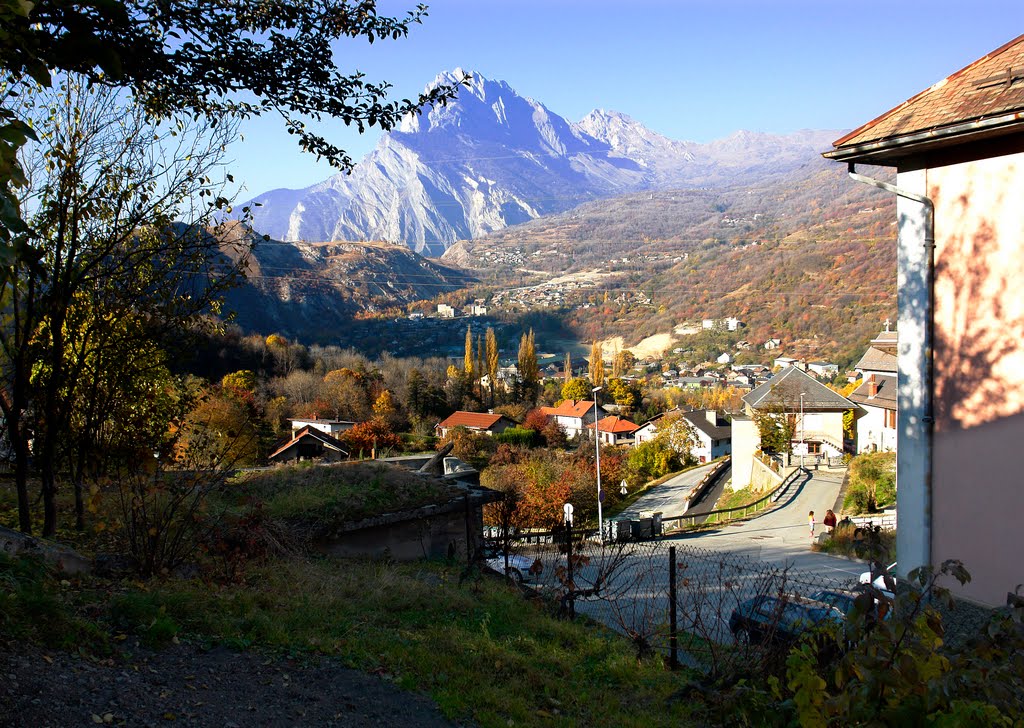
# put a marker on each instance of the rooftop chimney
(872, 386)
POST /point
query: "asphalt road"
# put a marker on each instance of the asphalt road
(718, 569)
(782, 536)
(670, 497)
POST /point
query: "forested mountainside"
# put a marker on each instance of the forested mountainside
(315, 292)
(808, 257)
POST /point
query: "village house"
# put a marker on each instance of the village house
(445, 311)
(787, 361)
(823, 369)
(310, 443)
(876, 395)
(614, 430)
(958, 152)
(486, 423)
(334, 428)
(814, 411)
(713, 435)
(772, 344)
(649, 430)
(572, 415)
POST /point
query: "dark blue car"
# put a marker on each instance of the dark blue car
(779, 620)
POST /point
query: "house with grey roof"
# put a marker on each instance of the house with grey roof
(814, 411)
(877, 394)
(713, 435)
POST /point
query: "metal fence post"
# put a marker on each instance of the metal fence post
(470, 541)
(570, 585)
(673, 650)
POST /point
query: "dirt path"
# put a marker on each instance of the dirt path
(188, 686)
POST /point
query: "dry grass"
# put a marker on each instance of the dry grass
(338, 493)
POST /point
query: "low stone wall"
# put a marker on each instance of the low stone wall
(885, 519)
(452, 529)
(763, 478)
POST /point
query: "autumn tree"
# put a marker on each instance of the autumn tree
(776, 427)
(467, 357)
(492, 360)
(625, 394)
(529, 371)
(210, 61)
(576, 389)
(370, 438)
(624, 361)
(105, 187)
(596, 364)
(568, 367)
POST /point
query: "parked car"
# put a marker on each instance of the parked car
(844, 599)
(779, 620)
(879, 581)
(518, 566)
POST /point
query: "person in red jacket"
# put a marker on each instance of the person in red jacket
(829, 520)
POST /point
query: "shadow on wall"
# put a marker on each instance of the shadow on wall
(979, 326)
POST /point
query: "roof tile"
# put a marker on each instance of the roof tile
(991, 86)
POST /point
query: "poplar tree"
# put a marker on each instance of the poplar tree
(492, 359)
(529, 372)
(596, 364)
(467, 357)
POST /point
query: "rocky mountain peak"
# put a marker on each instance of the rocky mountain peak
(492, 158)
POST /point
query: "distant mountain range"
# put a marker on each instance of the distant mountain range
(493, 158)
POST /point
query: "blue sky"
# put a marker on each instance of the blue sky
(689, 70)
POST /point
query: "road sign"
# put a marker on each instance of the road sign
(567, 512)
(800, 448)
(623, 487)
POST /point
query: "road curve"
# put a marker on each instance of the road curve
(669, 497)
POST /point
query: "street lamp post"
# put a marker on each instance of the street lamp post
(803, 443)
(597, 451)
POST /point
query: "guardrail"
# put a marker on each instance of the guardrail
(707, 480)
(730, 514)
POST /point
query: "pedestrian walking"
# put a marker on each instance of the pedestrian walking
(810, 520)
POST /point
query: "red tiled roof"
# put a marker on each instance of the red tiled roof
(573, 407)
(615, 424)
(990, 88)
(472, 420)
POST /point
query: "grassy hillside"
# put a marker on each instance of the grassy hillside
(809, 258)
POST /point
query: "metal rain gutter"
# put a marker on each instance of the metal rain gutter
(929, 330)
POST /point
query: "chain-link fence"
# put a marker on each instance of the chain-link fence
(696, 607)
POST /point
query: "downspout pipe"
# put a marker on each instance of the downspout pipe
(928, 419)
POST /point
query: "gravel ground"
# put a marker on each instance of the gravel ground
(188, 686)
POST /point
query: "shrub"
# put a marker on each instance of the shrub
(875, 475)
(857, 499)
(517, 436)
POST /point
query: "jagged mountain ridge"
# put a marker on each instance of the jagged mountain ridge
(493, 158)
(313, 291)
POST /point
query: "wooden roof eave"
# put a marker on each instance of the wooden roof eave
(888, 152)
